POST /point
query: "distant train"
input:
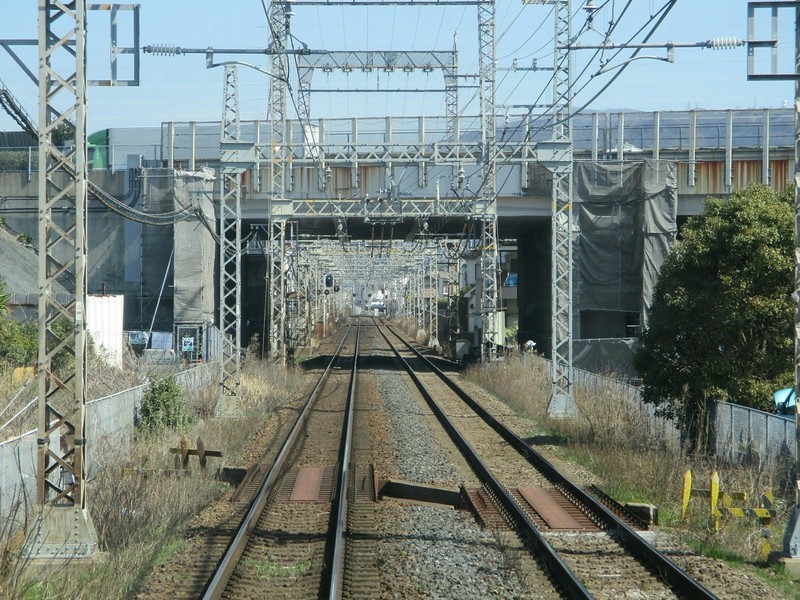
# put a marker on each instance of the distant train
(377, 304)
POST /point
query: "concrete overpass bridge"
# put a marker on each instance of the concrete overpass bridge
(389, 182)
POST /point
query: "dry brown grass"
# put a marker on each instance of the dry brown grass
(634, 462)
(17, 412)
(138, 511)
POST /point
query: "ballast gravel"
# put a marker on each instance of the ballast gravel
(436, 552)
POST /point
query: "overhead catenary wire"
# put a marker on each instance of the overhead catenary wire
(661, 14)
(542, 121)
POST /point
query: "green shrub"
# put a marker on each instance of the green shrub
(18, 342)
(14, 160)
(163, 406)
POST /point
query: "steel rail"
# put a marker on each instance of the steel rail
(339, 508)
(634, 543)
(561, 575)
(216, 585)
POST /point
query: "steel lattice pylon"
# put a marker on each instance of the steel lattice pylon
(230, 242)
(277, 288)
(451, 95)
(793, 534)
(557, 157)
(279, 30)
(791, 538)
(292, 291)
(433, 294)
(488, 201)
(64, 528)
(562, 402)
(450, 252)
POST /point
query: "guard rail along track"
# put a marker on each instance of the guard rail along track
(560, 573)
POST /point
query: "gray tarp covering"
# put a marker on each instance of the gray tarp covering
(608, 355)
(627, 220)
(195, 249)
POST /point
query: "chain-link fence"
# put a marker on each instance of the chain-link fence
(754, 435)
(742, 433)
(657, 428)
(109, 421)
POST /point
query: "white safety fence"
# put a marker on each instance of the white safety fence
(109, 421)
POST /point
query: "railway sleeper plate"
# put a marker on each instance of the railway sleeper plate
(548, 508)
(552, 511)
(307, 484)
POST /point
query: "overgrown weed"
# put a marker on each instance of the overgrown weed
(138, 508)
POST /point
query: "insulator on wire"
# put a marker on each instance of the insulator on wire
(724, 43)
(163, 49)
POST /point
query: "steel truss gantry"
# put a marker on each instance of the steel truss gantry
(485, 207)
(388, 61)
(362, 261)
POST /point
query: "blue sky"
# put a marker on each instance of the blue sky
(181, 88)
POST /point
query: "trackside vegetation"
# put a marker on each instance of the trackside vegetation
(721, 323)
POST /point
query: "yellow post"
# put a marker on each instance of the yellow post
(714, 498)
(687, 493)
(765, 516)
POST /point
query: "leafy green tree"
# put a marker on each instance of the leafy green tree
(18, 342)
(63, 133)
(721, 323)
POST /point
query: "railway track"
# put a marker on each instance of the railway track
(315, 529)
(583, 543)
(293, 530)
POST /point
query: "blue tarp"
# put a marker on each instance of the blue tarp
(785, 401)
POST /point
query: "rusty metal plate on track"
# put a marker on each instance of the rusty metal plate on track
(307, 484)
(556, 512)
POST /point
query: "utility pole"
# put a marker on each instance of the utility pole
(792, 537)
